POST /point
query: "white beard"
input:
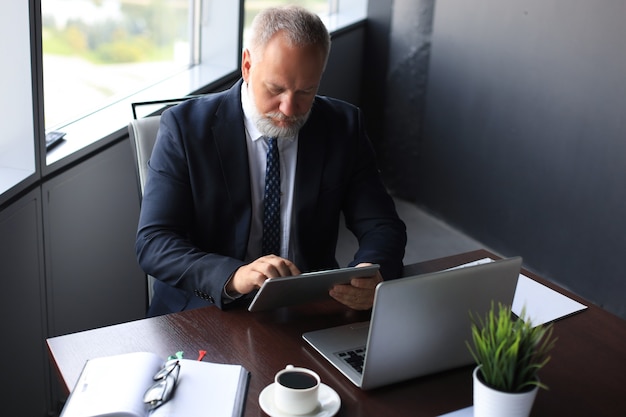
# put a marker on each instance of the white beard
(265, 122)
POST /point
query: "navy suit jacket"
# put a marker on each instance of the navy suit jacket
(196, 209)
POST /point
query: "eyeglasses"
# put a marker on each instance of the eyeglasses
(163, 389)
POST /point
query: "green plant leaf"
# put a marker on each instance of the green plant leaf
(510, 351)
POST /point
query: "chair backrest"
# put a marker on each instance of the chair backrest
(143, 133)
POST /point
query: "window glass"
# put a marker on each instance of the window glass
(96, 52)
(17, 142)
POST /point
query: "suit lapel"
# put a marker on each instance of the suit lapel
(230, 142)
(311, 150)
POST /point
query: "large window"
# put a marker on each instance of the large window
(96, 52)
(89, 60)
(99, 56)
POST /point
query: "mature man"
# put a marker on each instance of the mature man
(203, 229)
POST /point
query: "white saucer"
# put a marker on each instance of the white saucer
(329, 403)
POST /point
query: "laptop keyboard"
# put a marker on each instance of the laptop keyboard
(354, 357)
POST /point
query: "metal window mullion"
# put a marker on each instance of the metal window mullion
(196, 31)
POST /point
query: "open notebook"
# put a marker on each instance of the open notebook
(114, 386)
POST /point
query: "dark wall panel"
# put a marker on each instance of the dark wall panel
(406, 83)
(342, 78)
(525, 135)
(22, 305)
(90, 221)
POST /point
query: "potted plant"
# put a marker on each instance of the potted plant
(509, 353)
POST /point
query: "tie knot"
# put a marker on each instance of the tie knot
(272, 155)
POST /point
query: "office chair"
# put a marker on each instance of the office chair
(143, 132)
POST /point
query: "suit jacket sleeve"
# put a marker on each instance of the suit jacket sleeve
(337, 174)
(192, 232)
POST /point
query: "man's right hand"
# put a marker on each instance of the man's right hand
(251, 276)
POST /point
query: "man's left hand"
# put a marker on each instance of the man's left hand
(359, 294)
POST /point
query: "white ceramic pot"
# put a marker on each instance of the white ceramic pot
(489, 402)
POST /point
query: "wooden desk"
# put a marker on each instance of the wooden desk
(587, 374)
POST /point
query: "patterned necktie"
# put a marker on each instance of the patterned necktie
(271, 201)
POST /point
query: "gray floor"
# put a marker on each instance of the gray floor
(427, 237)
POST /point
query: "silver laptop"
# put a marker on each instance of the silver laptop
(419, 324)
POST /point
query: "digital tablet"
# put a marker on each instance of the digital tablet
(310, 286)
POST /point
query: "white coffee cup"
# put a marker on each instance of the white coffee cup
(296, 390)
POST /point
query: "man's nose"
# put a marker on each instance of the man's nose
(288, 105)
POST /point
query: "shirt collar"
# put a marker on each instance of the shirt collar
(246, 105)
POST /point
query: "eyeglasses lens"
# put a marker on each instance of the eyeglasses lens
(162, 390)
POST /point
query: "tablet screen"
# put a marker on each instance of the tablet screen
(310, 286)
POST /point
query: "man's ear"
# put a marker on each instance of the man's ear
(246, 64)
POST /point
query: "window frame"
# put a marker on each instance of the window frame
(19, 171)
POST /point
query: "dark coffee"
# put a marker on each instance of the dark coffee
(297, 380)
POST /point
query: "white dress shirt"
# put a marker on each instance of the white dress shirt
(257, 153)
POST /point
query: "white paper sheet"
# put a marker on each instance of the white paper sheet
(543, 304)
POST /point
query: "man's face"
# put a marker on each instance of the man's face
(282, 84)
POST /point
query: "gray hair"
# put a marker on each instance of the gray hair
(301, 27)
